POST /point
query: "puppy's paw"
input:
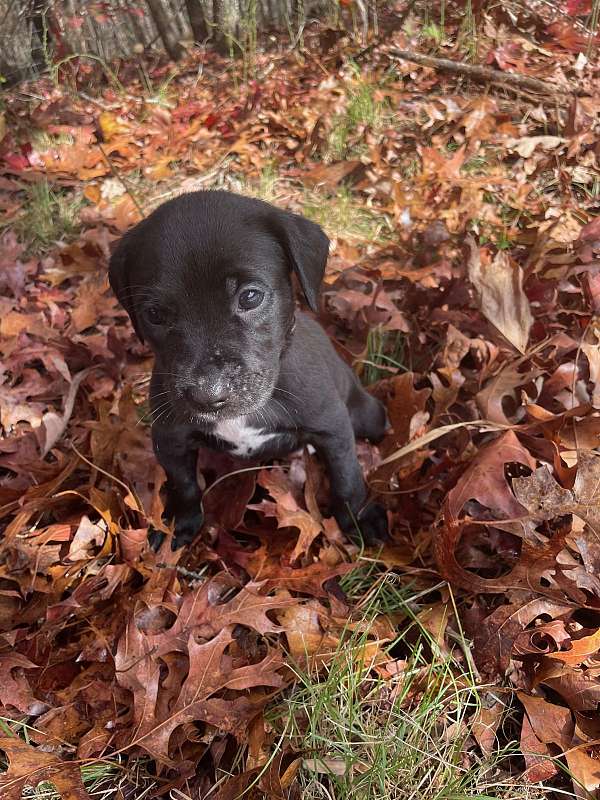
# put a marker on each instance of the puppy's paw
(373, 524)
(380, 424)
(187, 527)
(155, 539)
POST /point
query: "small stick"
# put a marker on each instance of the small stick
(188, 573)
(121, 180)
(482, 74)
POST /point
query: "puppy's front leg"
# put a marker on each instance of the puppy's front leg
(177, 454)
(337, 447)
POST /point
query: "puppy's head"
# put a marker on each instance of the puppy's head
(207, 282)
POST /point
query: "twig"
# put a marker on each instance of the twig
(188, 573)
(99, 103)
(482, 74)
(121, 180)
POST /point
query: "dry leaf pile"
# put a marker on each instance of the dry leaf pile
(488, 273)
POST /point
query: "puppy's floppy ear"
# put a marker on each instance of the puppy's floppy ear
(306, 247)
(119, 269)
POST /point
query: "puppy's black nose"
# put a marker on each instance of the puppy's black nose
(206, 398)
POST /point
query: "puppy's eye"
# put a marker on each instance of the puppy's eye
(155, 316)
(250, 298)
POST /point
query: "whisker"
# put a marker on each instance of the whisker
(285, 391)
(153, 411)
(142, 286)
(274, 399)
(262, 416)
(161, 415)
(136, 285)
(265, 412)
(140, 293)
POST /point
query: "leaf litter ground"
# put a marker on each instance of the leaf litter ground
(463, 286)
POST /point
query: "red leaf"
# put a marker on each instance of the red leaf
(211, 120)
(578, 8)
(16, 161)
(569, 38)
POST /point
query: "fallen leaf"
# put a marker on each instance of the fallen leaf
(495, 636)
(584, 769)
(484, 480)
(545, 499)
(210, 670)
(539, 765)
(499, 288)
(87, 534)
(54, 425)
(577, 687)
(330, 176)
(28, 766)
(549, 722)
(526, 145)
(288, 512)
(110, 125)
(569, 37)
(15, 690)
(485, 726)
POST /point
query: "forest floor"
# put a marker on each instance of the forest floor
(463, 658)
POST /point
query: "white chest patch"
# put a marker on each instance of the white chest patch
(245, 439)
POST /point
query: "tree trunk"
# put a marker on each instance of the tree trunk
(165, 29)
(197, 21)
(135, 26)
(219, 31)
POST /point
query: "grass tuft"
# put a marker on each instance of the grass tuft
(50, 216)
(269, 186)
(396, 739)
(385, 350)
(343, 217)
(433, 32)
(363, 112)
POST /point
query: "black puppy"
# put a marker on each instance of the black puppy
(207, 281)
